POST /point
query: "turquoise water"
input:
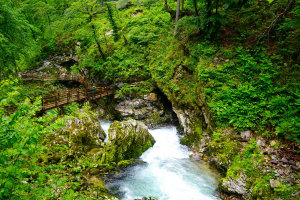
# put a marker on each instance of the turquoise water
(167, 174)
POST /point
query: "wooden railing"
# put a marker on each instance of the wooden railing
(58, 99)
(64, 97)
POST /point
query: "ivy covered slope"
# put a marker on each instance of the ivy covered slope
(230, 69)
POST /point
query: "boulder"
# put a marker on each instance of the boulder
(274, 183)
(85, 129)
(146, 198)
(148, 108)
(235, 186)
(126, 140)
(83, 134)
(246, 135)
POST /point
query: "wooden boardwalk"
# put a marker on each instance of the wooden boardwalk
(58, 99)
(64, 97)
(61, 98)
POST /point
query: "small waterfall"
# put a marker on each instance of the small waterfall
(168, 174)
(105, 126)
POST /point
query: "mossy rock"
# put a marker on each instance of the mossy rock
(85, 129)
(83, 135)
(125, 163)
(126, 140)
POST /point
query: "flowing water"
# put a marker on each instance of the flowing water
(167, 174)
(105, 126)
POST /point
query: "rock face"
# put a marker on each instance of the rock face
(149, 109)
(236, 186)
(85, 129)
(246, 135)
(82, 134)
(185, 117)
(56, 64)
(193, 124)
(126, 140)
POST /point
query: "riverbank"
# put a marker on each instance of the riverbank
(167, 172)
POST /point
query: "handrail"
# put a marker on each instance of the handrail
(57, 99)
(64, 97)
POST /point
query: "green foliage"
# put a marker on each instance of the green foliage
(16, 39)
(112, 20)
(142, 88)
(246, 94)
(72, 108)
(288, 34)
(188, 25)
(224, 148)
(20, 134)
(29, 162)
(145, 28)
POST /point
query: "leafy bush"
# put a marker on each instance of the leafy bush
(146, 28)
(247, 94)
(22, 174)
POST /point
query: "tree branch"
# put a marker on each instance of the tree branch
(273, 23)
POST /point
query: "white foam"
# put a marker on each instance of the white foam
(169, 173)
(105, 126)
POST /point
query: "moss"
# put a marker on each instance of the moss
(94, 151)
(157, 118)
(127, 140)
(196, 134)
(224, 148)
(125, 163)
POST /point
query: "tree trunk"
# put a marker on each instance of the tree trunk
(105, 40)
(209, 13)
(195, 6)
(177, 16)
(90, 19)
(209, 8)
(166, 5)
(125, 40)
(182, 5)
(97, 42)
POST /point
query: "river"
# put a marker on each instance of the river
(167, 174)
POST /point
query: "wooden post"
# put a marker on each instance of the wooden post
(63, 110)
(78, 94)
(68, 96)
(56, 99)
(42, 103)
